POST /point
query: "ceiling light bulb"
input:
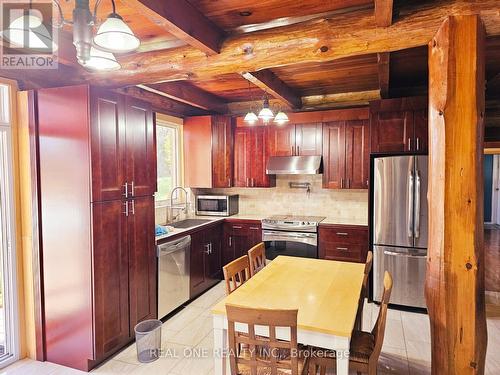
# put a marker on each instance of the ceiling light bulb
(114, 35)
(251, 118)
(101, 61)
(265, 113)
(281, 118)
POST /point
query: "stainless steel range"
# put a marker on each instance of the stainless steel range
(291, 235)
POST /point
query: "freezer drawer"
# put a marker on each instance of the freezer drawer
(407, 267)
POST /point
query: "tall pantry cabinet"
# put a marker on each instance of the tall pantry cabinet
(97, 171)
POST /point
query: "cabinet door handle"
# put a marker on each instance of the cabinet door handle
(207, 247)
(409, 144)
(132, 189)
(418, 144)
(125, 185)
(126, 209)
(342, 234)
(230, 241)
(298, 150)
(247, 184)
(253, 182)
(342, 248)
(254, 228)
(341, 183)
(236, 227)
(133, 207)
(348, 183)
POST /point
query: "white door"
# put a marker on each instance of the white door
(9, 322)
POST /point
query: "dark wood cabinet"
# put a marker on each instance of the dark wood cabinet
(295, 140)
(142, 260)
(343, 242)
(250, 158)
(281, 140)
(205, 259)
(96, 239)
(141, 148)
(346, 154)
(399, 125)
(239, 237)
(123, 146)
(108, 145)
(208, 151)
(308, 139)
(111, 289)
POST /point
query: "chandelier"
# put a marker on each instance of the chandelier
(265, 114)
(93, 51)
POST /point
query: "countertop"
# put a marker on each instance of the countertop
(257, 217)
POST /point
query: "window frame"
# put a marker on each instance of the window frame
(8, 212)
(179, 178)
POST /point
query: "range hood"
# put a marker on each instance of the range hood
(294, 165)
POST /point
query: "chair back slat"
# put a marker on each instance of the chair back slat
(236, 273)
(257, 257)
(272, 360)
(379, 327)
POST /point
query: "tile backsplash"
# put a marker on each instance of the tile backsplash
(345, 205)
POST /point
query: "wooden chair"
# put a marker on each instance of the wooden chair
(277, 359)
(236, 273)
(257, 258)
(365, 346)
(364, 291)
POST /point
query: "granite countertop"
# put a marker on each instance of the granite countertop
(345, 221)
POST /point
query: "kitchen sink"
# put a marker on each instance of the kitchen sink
(188, 223)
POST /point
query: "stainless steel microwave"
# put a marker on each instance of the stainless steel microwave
(217, 205)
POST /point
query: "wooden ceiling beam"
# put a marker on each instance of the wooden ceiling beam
(383, 63)
(270, 82)
(160, 103)
(312, 42)
(187, 93)
(184, 21)
(383, 12)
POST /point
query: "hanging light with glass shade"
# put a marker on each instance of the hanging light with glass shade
(281, 118)
(266, 114)
(92, 52)
(250, 118)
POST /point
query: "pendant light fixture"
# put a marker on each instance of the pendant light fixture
(114, 35)
(250, 118)
(92, 52)
(101, 60)
(281, 118)
(265, 113)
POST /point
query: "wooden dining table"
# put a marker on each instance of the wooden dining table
(326, 294)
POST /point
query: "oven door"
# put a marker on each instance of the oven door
(296, 244)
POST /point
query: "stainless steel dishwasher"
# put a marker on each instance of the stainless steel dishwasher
(173, 274)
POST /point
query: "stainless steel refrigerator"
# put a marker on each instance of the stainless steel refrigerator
(400, 227)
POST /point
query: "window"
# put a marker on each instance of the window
(168, 140)
(9, 328)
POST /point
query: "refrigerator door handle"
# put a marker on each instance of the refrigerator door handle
(417, 204)
(411, 180)
(393, 253)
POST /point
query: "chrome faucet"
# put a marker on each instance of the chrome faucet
(185, 208)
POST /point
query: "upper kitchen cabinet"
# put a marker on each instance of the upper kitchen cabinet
(123, 146)
(295, 140)
(399, 125)
(208, 151)
(346, 154)
(251, 152)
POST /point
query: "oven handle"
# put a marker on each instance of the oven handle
(308, 238)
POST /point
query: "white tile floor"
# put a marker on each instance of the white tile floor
(406, 348)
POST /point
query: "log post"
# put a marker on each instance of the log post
(455, 264)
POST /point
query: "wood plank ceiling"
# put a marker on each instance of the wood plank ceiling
(205, 56)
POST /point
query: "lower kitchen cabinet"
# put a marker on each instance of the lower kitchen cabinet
(124, 271)
(205, 259)
(239, 237)
(343, 242)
